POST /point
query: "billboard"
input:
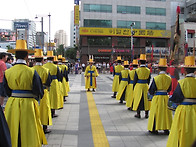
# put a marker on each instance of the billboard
(21, 25)
(124, 32)
(76, 15)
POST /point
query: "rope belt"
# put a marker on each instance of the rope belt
(22, 94)
(142, 81)
(124, 79)
(91, 77)
(161, 92)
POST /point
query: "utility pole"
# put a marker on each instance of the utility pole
(49, 33)
(132, 24)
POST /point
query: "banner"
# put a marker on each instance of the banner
(76, 15)
(124, 32)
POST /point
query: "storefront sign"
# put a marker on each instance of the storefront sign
(100, 57)
(76, 15)
(122, 51)
(124, 32)
(104, 50)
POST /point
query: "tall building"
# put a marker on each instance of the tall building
(72, 31)
(105, 28)
(60, 38)
(25, 29)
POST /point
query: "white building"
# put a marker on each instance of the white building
(26, 29)
(72, 31)
(61, 38)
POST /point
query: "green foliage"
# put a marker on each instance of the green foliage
(60, 50)
(71, 53)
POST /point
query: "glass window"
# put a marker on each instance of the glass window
(97, 23)
(126, 24)
(101, 41)
(155, 11)
(156, 25)
(156, 42)
(128, 9)
(97, 8)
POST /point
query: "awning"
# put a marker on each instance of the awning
(191, 31)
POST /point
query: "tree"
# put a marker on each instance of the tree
(60, 50)
(71, 53)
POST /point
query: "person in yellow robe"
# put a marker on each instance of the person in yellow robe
(24, 88)
(129, 90)
(116, 72)
(140, 84)
(66, 77)
(90, 76)
(123, 79)
(183, 129)
(54, 93)
(160, 116)
(45, 110)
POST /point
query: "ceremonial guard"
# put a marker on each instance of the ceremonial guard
(173, 71)
(183, 130)
(117, 69)
(90, 76)
(45, 110)
(54, 86)
(24, 88)
(123, 79)
(160, 116)
(140, 85)
(66, 77)
(129, 90)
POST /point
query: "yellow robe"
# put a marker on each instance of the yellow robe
(141, 89)
(21, 112)
(159, 107)
(123, 83)
(90, 77)
(129, 90)
(45, 110)
(183, 130)
(115, 85)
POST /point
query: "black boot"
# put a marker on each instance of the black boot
(146, 114)
(93, 90)
(46, 130)
(114, 96)
(138, 114)
(88, 90)
(166, 132)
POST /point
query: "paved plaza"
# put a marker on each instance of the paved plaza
(117, 126)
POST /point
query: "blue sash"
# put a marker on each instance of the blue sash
(124, 79)
(161, 93)
(188, 103)
(117, 73)
(142, 81)
(22, 91)
(91, 77)
(131, 82)
(54, 77)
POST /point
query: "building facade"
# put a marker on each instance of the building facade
(73, 31)
(61, 38)
(105, 28)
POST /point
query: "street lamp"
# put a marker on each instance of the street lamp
(132, 24)
(42, 30)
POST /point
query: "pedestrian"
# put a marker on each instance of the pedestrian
(183, 129)
(24, 88)
(45, 110)
(54, 87)
(117, 69)
(123, 79)
(129, 90)
(140, 85)
(3, 59)
(173, 71)
(9, 62)
(160, 116)
(90, 76)
(65, 62)
(83, 67)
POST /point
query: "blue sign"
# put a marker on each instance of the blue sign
(21, 25)
(76, 2)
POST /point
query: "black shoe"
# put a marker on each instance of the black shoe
(88, 90)
(121, 102)
(55, 115)
(137, 116)
(93, 90)
(129, 108)
(47, 131)
(166, 132)
(154, 132)
(113, 96)
(146, 116)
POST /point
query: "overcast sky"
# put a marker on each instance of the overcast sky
(28, 9)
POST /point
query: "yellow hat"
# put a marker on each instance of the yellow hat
(60, 57)
(135, 62)
(142, 56)
(21, 45)
(126, 63)
(118, 58)
(91, 61)
(55, 59)
(162, 62)
(189, 62)
(50, 54)
(38, 53)
(63, 59)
